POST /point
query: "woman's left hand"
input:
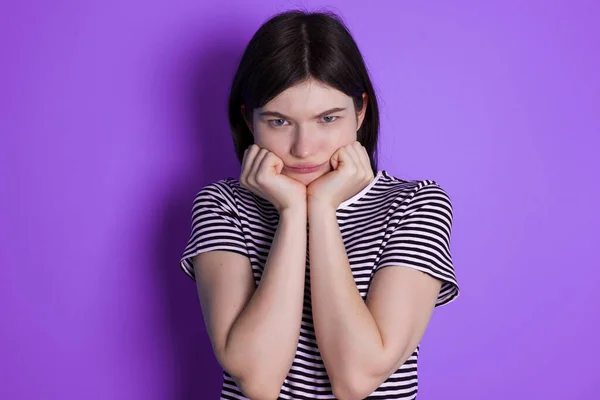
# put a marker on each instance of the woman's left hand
(351, 173)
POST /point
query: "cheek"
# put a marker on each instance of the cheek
(268, 141)
(344, 134)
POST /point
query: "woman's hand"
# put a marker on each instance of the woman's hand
(261, 174)
(351, 173)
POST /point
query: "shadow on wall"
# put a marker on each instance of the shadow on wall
(203, 89)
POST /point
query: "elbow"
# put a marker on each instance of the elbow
(256, 388)
(348, 393)
(348, 388)
(357, 384)
(256, 382)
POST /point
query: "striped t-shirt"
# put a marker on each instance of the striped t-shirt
(391, 222)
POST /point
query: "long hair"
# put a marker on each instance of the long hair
(290, 48)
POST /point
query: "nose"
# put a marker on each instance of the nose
(304, 145)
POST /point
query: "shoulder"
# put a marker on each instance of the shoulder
(229, 194)
(219, 189)
(389, 184)
(410, 192)
(219, 194)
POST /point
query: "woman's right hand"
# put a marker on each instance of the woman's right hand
(261, 174)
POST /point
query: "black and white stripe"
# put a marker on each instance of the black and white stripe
(391, 222)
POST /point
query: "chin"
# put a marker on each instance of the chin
(306, 179)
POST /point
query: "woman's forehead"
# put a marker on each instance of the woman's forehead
(307, 99)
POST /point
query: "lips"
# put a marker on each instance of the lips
(305, 169)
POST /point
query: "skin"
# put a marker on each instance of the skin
(292, 127)
(255, 330)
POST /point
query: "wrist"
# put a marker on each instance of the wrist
(319, 209)
(296, 211)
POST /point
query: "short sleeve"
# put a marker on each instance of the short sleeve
(418, 236)
(215, 225)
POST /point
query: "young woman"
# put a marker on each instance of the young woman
(290, 259)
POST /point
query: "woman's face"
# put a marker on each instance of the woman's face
(304, 125)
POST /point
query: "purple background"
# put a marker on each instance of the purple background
(113, 117)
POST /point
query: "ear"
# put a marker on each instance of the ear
(248, 124)
(360, 116)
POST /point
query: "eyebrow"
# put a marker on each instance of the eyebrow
(282, 116)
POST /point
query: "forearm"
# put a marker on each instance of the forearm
(261, 345)
(347, 334)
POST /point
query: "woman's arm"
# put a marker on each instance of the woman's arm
(254, 331)
(362, 344)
